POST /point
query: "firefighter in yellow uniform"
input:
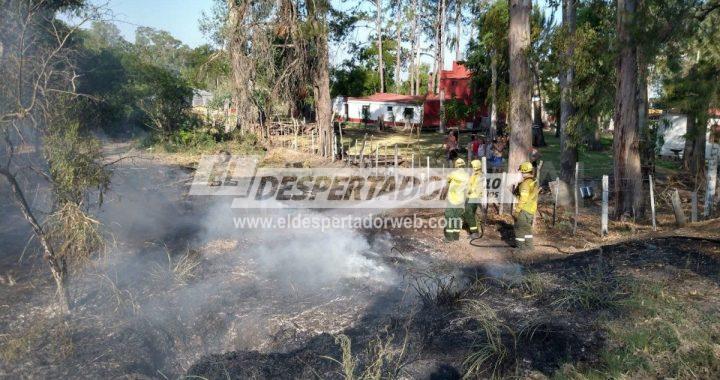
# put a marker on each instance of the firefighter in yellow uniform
(527, 197)
(457, 188)
(476, 187)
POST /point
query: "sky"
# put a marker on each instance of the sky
(182, 19)
(179, 17)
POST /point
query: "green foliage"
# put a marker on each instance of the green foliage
(492, 40)
(358, 76)
(143, 83)
(74, 161)
(457, 110)
(593, 61)
(76, 171)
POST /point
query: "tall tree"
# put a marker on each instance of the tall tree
(627, 173)
(320, 72)
(458, 28)
(37, 102)
(398, 15)
(568, 147)
(487, 58)
(379, 32)
(520, 83)
(439, 44)
(414, 48)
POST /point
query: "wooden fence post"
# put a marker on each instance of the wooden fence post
(427, 161)
(577, 196)
(677, 208)
(711, 182)
(605, 197)
(342, 147)
(503, 182)
(377, 158)
(312, 139)
(485, 190)
(362, 153)
(694, 207)
(395, 171)
(412, 167)
(652, 202)
(557, 195)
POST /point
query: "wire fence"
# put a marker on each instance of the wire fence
(591, 196)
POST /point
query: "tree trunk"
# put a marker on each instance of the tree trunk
(694, 152)
(458, 29)
(57, 270)
(626, 141)
(520, 84)
(398, 49)
(647, 157)
(321, 75)
(378, 30)
(568, 147)
(239, 62)
(417, 68)
(493, 94)
(439, 45)
(413, 47)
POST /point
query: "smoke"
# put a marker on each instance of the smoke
(243, 286)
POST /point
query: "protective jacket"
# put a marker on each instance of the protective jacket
(527, 194)
(457, 187)
(475, 186)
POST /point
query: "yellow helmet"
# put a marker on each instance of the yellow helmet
(526, 167)
(459, 163)
(476, 165)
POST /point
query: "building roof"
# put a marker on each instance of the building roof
(389, 98)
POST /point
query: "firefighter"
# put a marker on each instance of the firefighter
(457, 188)
(527, 196)
(476, 187)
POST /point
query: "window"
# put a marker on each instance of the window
(389, 108)
(365, 113)
(409, 113)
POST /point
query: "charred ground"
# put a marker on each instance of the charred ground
(182, 294)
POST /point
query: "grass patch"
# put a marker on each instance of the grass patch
(203, 141)
(659, 336)
(594, 288)
(427, 144)
(494, 351)
(532, 284)
(593, 163)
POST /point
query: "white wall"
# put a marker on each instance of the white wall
(673, 128)
(379, 109)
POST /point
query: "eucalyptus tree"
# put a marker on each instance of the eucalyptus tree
(520, 118)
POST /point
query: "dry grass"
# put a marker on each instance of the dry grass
(384, 358)
(179, 270)
(492, 353)
(76, 236)
(437, 289)
(44, 337)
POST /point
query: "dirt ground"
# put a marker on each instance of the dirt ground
(182, 293)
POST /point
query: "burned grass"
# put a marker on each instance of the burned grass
(639, 309)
